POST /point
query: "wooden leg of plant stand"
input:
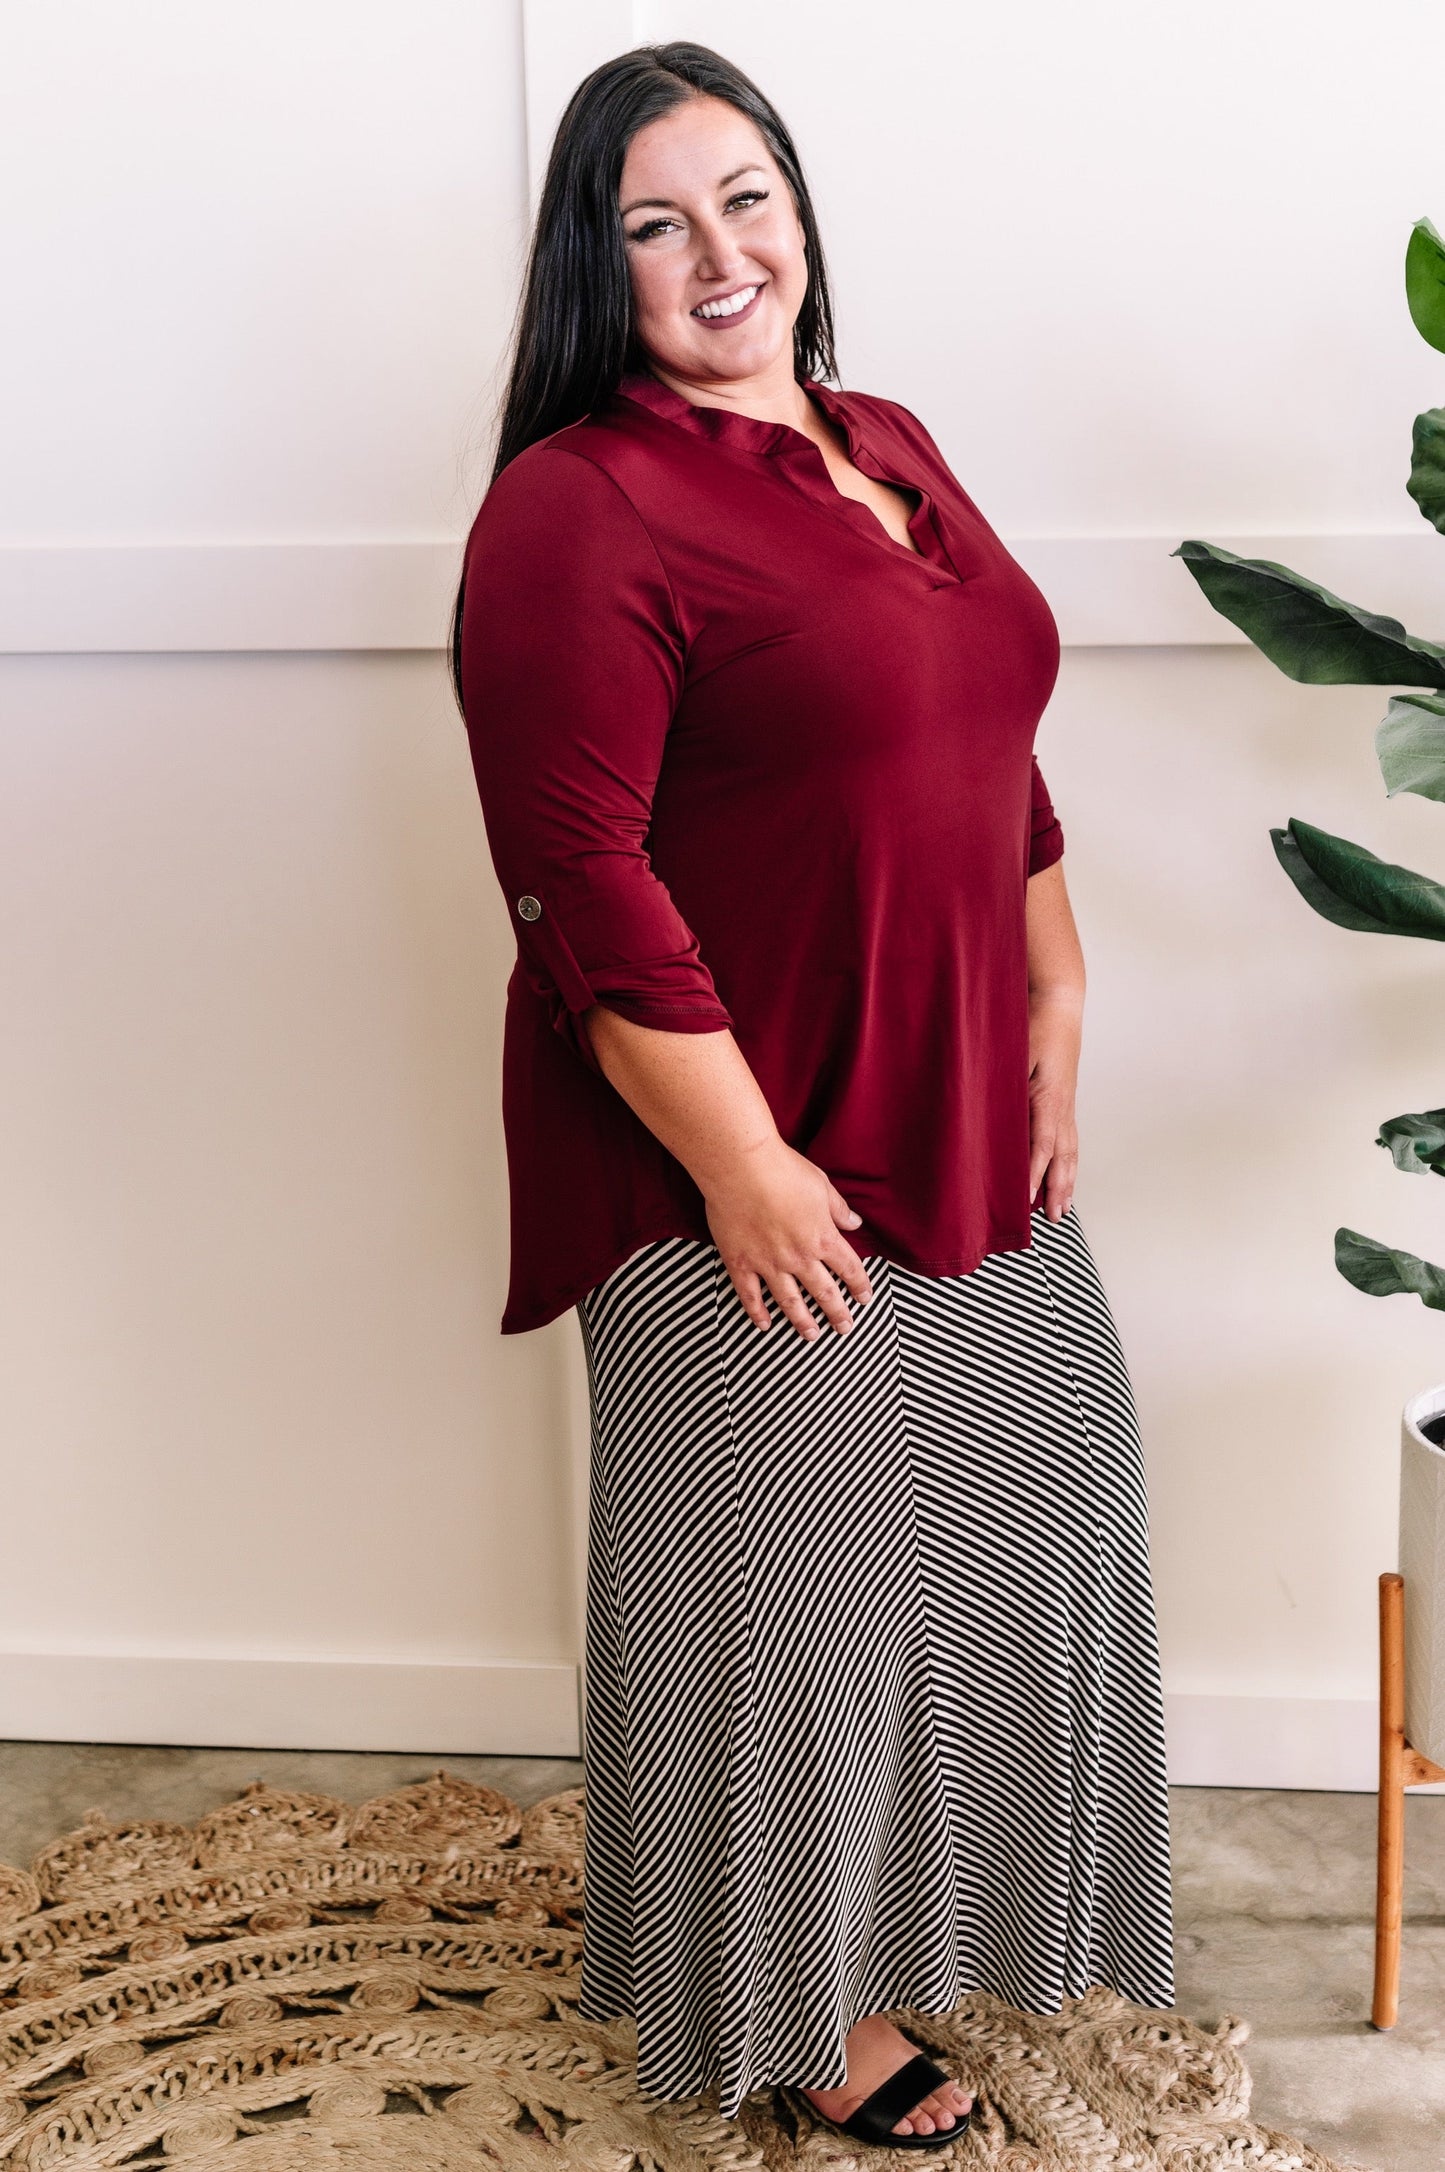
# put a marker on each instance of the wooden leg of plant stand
(1390, 1861)
(1400, 1767)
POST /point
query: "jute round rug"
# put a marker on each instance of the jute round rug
(295, 1985)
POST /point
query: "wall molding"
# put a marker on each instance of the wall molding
(562, 41)
(455, 1708)
(60, 599)
(500, 1708)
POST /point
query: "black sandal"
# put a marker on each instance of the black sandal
(893, 2099)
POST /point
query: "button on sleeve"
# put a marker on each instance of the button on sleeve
(571, 667)
(1046, 836)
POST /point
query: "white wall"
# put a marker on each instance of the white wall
(270, 1472)
(267, 259)
(1140, 264)
(255, 1232)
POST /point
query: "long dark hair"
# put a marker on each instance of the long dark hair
(574, 335)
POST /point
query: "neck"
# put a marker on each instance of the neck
(772, 395)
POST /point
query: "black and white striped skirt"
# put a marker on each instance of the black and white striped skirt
(873, 1710)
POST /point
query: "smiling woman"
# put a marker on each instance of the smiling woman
(719, 273)
(874, 1714)
(706, 256)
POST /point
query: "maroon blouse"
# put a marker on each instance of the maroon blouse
(746, 761)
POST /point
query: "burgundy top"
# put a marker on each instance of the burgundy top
(746, 761)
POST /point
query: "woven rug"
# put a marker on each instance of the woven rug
(295, 1985)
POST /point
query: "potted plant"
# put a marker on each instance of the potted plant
(1319, 639)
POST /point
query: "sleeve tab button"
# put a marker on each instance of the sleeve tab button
(529, 907)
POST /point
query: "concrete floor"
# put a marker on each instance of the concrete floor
(1274, 1915)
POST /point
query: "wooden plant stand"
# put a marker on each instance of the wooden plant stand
(1400, 1767)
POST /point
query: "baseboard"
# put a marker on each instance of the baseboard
(457, 1708)
(1307, 1742)
(477, 1708)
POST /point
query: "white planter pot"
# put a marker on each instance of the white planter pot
(1422, 1565)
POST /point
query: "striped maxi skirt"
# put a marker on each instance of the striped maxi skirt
(873, 1711)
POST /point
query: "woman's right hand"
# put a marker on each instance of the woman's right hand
(777, 1219)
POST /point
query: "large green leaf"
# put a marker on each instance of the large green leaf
(1410, 742)
(1380, 1271)
(1356, 889)
(1425, 282)
(1311, 635)
(1427, 466)
(1416, 1143)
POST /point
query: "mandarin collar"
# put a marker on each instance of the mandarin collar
(723, 427)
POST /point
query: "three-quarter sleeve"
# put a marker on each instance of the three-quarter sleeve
(1046, 836)
(571, 667)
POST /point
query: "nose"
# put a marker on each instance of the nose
(718, 258)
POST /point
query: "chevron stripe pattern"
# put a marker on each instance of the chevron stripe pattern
(874, 1711)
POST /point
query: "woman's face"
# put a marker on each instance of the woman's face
(707, 217)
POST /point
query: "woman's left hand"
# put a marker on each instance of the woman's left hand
(1055, 1030)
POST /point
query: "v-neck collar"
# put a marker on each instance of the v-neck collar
(781, 440)
(723, 424)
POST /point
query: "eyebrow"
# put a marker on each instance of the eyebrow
(665, 203)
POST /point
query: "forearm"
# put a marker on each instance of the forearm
(775, 1217)
(1055, 955)
(1056, 1010)
(694, 1091)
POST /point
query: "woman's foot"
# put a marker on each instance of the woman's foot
(875, 2050)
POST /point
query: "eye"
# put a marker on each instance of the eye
(648, 228)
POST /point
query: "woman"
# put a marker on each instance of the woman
(873, 1704)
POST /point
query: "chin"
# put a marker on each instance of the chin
(719, 357)
(733, 365)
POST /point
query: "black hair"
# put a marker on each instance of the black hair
(574, 335)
